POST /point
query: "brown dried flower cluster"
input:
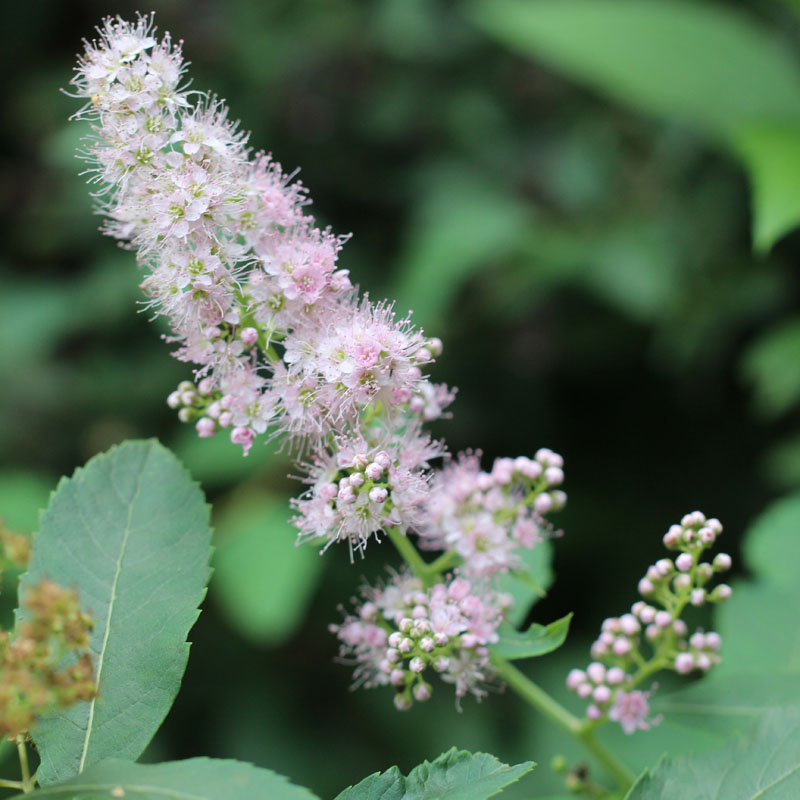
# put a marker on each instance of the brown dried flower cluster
(45, 663)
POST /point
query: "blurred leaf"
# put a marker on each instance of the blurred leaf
(531, 582)
(771, 153)
(454, 775)
(465, 222)
(758, 623)
(782, 463)
(730, 702)
(22, 497)
(195, 778)
(772, 365)
(217, 461)
(537, 640)
(771, 542)
(262, 581)
(703, 63)
(766, 765)
(130, 532)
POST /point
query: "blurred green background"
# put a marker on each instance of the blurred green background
(563, 192)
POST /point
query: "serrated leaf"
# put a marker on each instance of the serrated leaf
(536, 641)
(262, 581)
(530, 582)
(765, 766)
(454, 775)
(770, 364)
(193, 779)
(130, 532)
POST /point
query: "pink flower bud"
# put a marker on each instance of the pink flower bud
(383, 460)
(554, 476)
(416, 665)
(575, 678)
(596, 672)
(645, 587)
(653, 574)
(629, 624)
(593, 712)
(707, 536)
(615, 676)
(622, 646)
(397, 677)
(684, 663)
(402, 702)
(543, 503)
(356, 480)
(698, 597)
(611, 625)
(601, 695)
(663, 619)
(225, 419)
(378, 494)
(174, 400)
(584, 690)
(681, 582)
(684, 562)
(647, 614)
(422, 692)
(722, 562)
(244, 437)
(249, 336)
(395, 638)
(679, 627)
(665, 566)
(206, 427)
(722, 592)
(713, 641)
(185, 414)
(441, 664)
(703, 662)
(697, 640)
(373, 471)
(427, 644)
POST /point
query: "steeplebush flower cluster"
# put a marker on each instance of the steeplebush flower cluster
(45, 663)
(654, 628)
(403, 632)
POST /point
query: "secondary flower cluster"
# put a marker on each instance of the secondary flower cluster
(33, 679)
(402, 632)
(486, 517)
(609, 683)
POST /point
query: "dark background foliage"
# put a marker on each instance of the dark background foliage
(590, 271)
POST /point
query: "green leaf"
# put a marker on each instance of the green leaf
(771, 550)
(193, 779)
(22, 497)
(262, 581)
(454, 775)
(771, 153)
(465, 223)
(771, 365)
(529, 583)
(130, 532)
(536, 641)
(702, 63)
(765, 766)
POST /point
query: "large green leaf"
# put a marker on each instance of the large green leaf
(766, 766)
(455, 775)
(703, 64)
(770, 364)
(537, 640)
(130, 532)
(262, 580)
(193, 779)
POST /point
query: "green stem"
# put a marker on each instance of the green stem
(11, 784)
(445, 562)
(22, 752)
(543, 702)
(412, 557)
(524, 686)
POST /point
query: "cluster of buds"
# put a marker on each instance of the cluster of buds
(486, 517)
(669, 587)
(33, 677)
(403, 632)
(363, 484)
(15, 548)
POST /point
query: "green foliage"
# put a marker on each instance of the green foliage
(454, 775)
(537, 640)
(772, 551)
(766, 765)
(705, 65)
(262, 581)
(130, 532)
(770, 364)
(195, 778)
(530, 582)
